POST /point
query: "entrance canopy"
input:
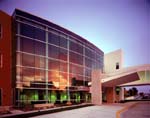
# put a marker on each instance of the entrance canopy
(123, 76)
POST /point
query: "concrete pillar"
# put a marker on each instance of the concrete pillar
(114, 99)
(96, 88)
(122, 93)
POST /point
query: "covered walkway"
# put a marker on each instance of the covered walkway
(113, 83)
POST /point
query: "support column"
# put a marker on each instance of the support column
(114, 95)
(96, 88)
(122, 94)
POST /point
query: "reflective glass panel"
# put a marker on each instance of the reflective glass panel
(87, 72)
(53, 65)
(89, 53)
(76, 47)
(39, 75)
(53, 39)
(39, 62)
(32, 32)
(79, 48)
(79, 70)
(72, 68)
(63, 66)
(76, 58)
(63, 80)
(63, 54)
(40, 48)
(39, 34)
(27, 45)
(28, 76)
(28, 60)
(88, 62)
(53, 51)
(53, 77)
(76, 69)
(63, 42)
(27, 30)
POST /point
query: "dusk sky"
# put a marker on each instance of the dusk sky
(108, 24)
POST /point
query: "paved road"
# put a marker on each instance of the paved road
(104, 111)
(141, 110)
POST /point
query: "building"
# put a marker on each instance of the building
(116, 77)
(44, 62)
(5, 59)
(41, 62)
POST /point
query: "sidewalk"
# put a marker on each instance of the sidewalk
(83, 111)
(103, 111)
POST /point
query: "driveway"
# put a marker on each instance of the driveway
(104, 111)
(140, 110)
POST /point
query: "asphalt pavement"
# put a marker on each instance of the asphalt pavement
(140, 110)
(103, 111)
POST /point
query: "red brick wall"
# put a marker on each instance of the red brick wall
(5, 50)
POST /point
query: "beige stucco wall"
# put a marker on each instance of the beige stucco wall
(110, 60)
(96, 88)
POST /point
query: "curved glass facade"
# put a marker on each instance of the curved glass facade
(52, 63)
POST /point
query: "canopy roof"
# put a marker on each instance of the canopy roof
(123, 76)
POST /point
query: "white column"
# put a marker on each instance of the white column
(121, 95)
(114, 94)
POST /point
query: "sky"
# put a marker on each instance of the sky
(108, 24)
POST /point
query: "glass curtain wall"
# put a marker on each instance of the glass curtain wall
(52, 66)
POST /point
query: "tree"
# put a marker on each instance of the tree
(135, 91)
(130, 92)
